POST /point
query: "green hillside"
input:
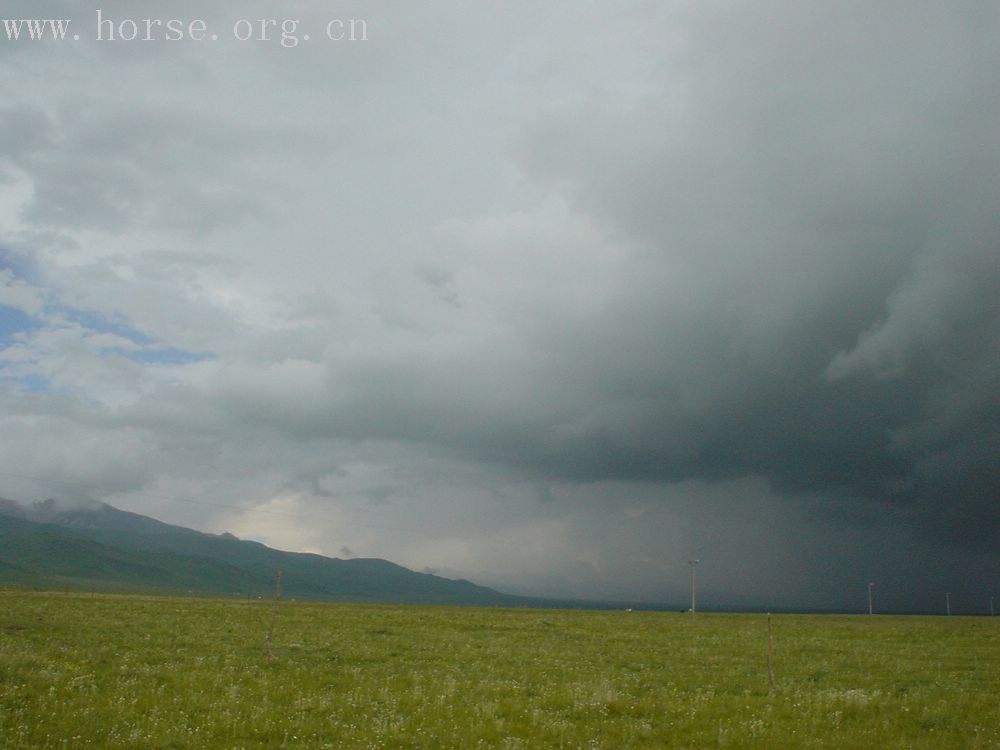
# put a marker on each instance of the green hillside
(106, 548)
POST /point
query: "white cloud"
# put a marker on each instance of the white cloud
(20, 295)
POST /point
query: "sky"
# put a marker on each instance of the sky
(552, 296)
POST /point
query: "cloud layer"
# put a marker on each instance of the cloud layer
(552, 298)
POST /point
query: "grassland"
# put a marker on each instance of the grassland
(112, 671)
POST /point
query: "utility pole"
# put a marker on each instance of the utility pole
(692, 563)
(947, 603)
(991, 606)
(870, 587)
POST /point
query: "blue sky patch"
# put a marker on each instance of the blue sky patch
(16, 324)
(102, 324)
(30, 383)
(165, 355)
(22, 266)
(12, 322)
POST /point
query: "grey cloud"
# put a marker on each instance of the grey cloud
(94, 169)
(813, 277)
(727, 268)
(806, 209)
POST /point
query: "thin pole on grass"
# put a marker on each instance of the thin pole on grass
(770, 655)
(274, 615)
(870, 587)
(692, 563)
(947, 603)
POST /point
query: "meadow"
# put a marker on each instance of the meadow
(118, 671)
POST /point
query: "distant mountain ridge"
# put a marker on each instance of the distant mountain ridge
(99, 546)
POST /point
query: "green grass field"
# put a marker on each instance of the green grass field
(115, 671)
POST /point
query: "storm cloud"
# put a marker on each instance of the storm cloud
(548, 297)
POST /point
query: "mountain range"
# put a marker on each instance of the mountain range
(99, 547)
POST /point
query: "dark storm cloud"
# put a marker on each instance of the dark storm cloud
(612, 288)
(826, 190)
(810, 287)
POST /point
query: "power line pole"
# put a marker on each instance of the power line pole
(870, 587)
(692, 563)
(947, 603)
